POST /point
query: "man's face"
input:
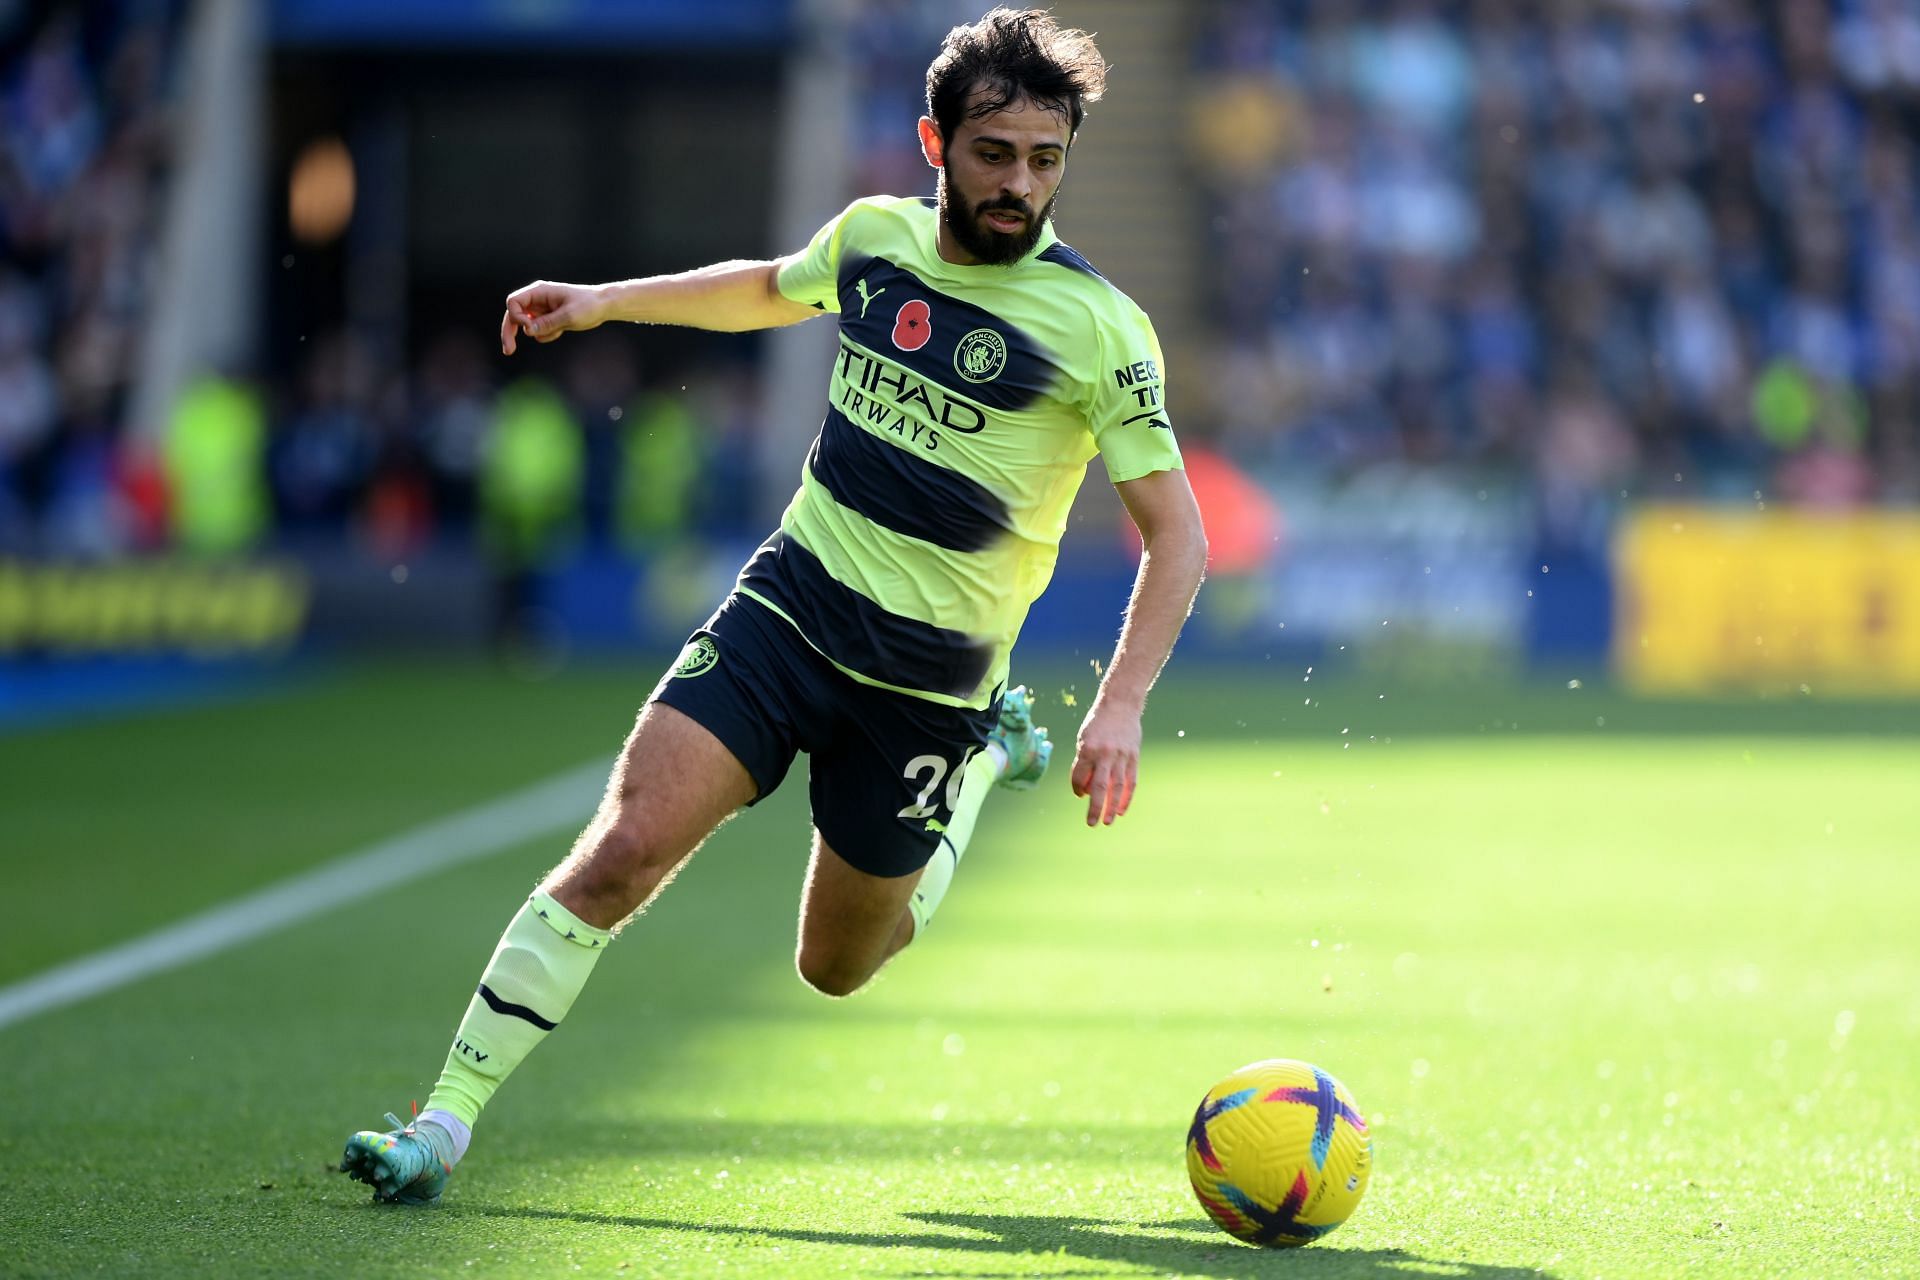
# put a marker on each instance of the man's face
(998, 179)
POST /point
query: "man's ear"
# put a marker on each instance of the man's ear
(930, 144)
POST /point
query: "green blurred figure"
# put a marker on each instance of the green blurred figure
(1820, 427)
(659, 473)
(215, 463)
(530, 478)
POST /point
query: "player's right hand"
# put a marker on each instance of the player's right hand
(545, 310)
(1106, 760)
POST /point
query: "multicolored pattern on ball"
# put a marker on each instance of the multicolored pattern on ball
(1278, 1153)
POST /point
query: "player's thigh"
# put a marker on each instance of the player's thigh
(883, 788)
(674, 782)
(677, 775)
(719, 731)
(745, 677)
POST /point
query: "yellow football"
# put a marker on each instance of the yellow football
(1278, 1153)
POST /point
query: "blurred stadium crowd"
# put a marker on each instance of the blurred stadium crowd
(1643, 247)
(350, 445)
(1659, 247)
(84, 147)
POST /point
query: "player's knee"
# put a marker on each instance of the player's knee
(831, 974)
(629, 857)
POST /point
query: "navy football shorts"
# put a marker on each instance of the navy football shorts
(884, 767)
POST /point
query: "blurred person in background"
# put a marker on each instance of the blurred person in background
(29, 412)
(660, 470)
(321, 455)
(215, 463)
(730, 437)
(599, 383)
(530, 499)
(453, 409)
(396, 518)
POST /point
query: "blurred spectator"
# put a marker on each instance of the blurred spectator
(215, 455)
(530, 494)
(322, 452)
(601, 380)
(659, 471)
(29, 409)
(728, 411)
(397, 518)
(453, 410)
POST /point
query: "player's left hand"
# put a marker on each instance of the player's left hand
(544, 310)
(1106, 761)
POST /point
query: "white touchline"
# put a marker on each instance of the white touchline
(479, 832)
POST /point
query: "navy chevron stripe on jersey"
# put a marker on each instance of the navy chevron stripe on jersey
(898, 490)
(1067, 256)
(965, 402)
(874, 296)
(857, 633)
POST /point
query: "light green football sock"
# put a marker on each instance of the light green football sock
(982, 771)
(543, 960)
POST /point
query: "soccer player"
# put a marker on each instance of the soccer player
(981, 364)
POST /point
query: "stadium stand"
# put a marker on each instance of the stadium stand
(1647, 248)
(85, 143)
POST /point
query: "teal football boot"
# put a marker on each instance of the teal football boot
(1024, 742)
(402, 1166)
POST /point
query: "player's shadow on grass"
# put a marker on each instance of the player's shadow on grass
(1191, 1246)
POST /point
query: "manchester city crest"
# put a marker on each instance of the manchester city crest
(980, 356)
(699, 657)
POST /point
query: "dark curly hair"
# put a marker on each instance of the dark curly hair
(1010, 56)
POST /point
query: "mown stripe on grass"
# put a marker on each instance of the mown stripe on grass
(478, 832)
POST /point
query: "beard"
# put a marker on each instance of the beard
(992, 248)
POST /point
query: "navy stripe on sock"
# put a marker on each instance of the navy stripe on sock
(508, 1008)
(898, 490)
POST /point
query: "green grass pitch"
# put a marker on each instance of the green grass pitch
(1625, 989)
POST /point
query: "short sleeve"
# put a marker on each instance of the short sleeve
(1128, 414)
(812, 276)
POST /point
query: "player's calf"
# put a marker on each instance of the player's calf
(851, 921)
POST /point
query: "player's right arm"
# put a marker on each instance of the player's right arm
(729, 297)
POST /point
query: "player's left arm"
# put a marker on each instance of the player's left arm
(1106, 762)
